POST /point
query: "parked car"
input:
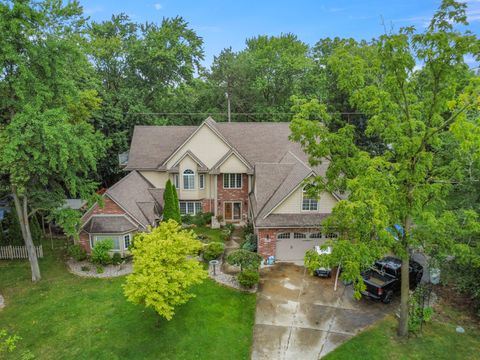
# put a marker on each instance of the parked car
(323, 272)
(383, 279)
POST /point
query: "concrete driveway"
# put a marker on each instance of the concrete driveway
(299, 316)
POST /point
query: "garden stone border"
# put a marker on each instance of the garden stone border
(2, 302)
(228, 280)
(109, 271)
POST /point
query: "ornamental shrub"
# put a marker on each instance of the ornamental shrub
(77, 252)
(247, 260)
(248, 278)
(101, 252)
(116, 258)
(213, 250)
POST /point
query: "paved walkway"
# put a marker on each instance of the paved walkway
(300, 317)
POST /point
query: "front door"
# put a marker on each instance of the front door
(232, 210)
(228, 211)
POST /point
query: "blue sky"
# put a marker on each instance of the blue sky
(228, 23)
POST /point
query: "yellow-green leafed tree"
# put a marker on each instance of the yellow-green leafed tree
(164, 268)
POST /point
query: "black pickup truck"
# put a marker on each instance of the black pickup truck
(384, 278)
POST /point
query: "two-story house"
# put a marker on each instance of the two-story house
(238, 171)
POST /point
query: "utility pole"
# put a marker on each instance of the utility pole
(228, 107)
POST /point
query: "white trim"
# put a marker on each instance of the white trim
(192, 156)
(290, 193)
(228, 155)
(234, 188)
(192, 174)
(216, 132)
(233, 212)
(128, 212)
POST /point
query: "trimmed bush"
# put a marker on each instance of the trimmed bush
(248, 278)
(247, 260)
(187, 219)
(101, 252)
(213, 251)
(100, 269)
(77, 252)
(116, 258)
(250, 243)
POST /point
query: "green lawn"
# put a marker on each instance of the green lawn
(67, 317)
(212, 234)
(438, 341)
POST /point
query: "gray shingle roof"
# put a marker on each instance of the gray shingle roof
(291, 220)
(111, 224)
(298, 172)
(152, 145)
(133, 193)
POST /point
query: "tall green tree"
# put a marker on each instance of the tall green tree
(262, 78)
(177, 217)
(142, 68)
(169, 208)
(410, 110)
(47, 146)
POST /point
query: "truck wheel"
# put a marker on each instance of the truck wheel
(388, 297)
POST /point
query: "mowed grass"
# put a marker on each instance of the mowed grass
(67, 317)
(212, 234)
(439, 340)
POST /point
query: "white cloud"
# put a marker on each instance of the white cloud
(93, 10)
(157, 6)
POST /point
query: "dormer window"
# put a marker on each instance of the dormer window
(309, 203)
(188, 179)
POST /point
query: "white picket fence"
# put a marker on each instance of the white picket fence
(18, 252)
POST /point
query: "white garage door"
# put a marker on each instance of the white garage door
(293, 246)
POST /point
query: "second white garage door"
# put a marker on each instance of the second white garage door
(293, 246)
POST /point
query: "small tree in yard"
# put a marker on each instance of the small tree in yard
(169, 203)
(411, 112)
(164, 268)
(177, 217)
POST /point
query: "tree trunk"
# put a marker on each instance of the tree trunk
(22, 213)
(405, 289)
(405, 281)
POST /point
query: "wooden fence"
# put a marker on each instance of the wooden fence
(18, 252)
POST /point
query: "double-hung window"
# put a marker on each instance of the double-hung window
(188, 179)
(190, 207)
(176, 181)
(201, 181)
(232, 181)
(308, 203)
(126, 241)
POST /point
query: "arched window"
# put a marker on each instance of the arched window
(283, 236)
(316, 235)
(188, 179)
(309, 203)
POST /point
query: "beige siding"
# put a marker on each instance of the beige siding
(233, 165)
(206, 145)
(197, 193)
(157, 178)
(293, 203)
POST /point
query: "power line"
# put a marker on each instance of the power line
(233, 113)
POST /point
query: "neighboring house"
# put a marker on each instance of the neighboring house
(238, 171)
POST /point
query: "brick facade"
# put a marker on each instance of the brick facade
(207, 205)
(224, 195)
(267, 239)
(85, 241)
(110, 207)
